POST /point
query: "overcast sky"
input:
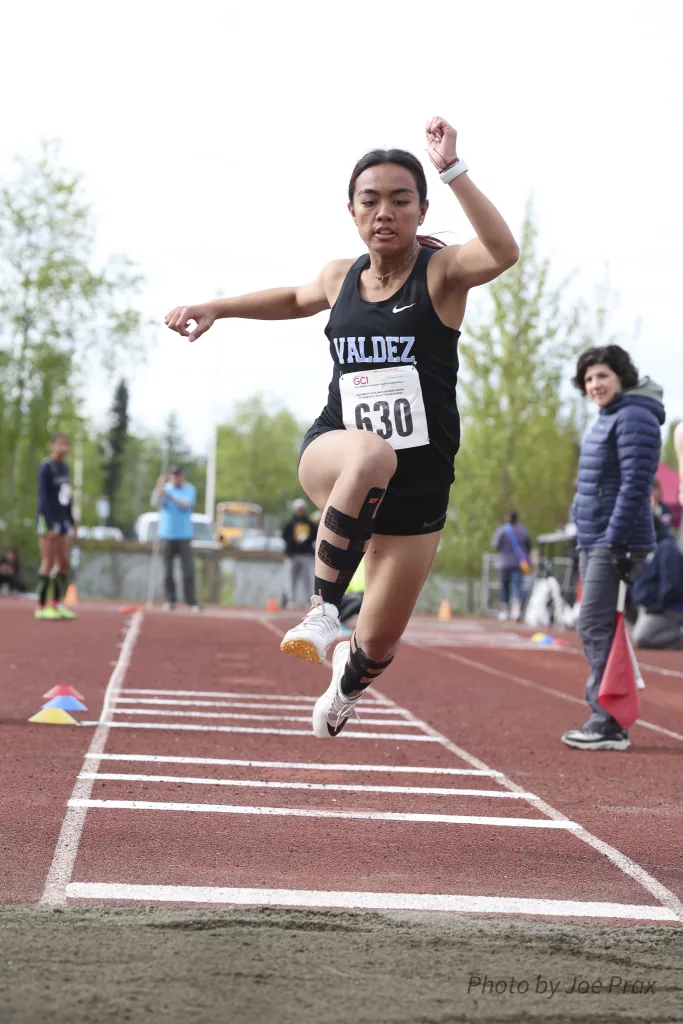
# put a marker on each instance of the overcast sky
(216, 140)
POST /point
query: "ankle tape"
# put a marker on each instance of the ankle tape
(359, 667)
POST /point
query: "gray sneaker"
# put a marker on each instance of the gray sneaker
(587, 739)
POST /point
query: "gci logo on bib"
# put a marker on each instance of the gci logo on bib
(388, 403)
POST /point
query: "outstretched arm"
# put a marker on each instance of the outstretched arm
(494, 249)
(271, 304)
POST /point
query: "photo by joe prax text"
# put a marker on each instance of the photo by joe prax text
(539, 984)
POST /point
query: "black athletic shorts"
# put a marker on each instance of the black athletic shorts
(400, 514)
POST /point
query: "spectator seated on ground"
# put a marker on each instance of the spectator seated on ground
(10, 571)
(658, 592)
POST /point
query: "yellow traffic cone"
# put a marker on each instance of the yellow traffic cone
(53, 716)
(444, 612)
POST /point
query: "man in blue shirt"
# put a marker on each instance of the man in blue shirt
(175, 499)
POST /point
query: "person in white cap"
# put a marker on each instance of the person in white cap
(299, 535)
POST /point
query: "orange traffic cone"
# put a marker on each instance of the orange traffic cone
(271, 605)
(71, 597)
(444, 612)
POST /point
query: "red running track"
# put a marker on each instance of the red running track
(204, 784)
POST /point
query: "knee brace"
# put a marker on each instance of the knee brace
(360, 670)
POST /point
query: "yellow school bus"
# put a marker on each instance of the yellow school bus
(234, 518)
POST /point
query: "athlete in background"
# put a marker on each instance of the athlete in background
(55, 527)
(379, 458)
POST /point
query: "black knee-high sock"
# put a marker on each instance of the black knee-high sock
(42, 588)
(331, 593)
(59, 586)
(346, 560)
(360, 670)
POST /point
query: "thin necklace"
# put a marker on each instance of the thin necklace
(384, 276)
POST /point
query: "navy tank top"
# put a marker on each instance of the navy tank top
(401, 330)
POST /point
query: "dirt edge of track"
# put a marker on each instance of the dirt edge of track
(83, 965)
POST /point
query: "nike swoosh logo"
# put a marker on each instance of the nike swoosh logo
(439, 520)
(399, 309)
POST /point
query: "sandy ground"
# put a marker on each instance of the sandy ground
(82, 965)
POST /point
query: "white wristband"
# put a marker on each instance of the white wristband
(452, 172)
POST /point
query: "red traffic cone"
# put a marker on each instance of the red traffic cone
(618, 693)
(271, 605)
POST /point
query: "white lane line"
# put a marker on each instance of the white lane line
(64, 858)
(328, 766)
(619, 860)
(366, 901)
(194, 780)
(661, 671)
(167, 701)
(346, 734)
(306, 812)
(529, 684)
(224, 693)
(259, 718)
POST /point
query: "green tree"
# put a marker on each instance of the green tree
(520, 423)
(257, 455)
(61, 316)
(114, 446)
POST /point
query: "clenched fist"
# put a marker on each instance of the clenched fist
(180, 318)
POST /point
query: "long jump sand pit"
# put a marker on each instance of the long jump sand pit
(86, 964)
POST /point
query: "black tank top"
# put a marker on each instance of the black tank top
(402, 329)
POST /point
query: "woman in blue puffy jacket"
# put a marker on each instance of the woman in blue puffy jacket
(612, 513)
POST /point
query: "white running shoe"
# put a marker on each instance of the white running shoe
(332, 711)
(312, 637)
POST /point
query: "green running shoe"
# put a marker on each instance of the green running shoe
(47, 613)
(65, 613)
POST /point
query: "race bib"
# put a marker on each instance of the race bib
(64, 495)
(388, 403)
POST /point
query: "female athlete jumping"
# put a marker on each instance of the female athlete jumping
(379, 459)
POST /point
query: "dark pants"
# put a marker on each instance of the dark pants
(510, 585)
(183, 549)
(597, 619)
(12, 582)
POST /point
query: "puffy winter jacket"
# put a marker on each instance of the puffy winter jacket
(619, 458)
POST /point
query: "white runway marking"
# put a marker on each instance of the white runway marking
(336, 787)
(328, 766)
(167, 701)
(64, 857)
(305, 812)
(521, 681)
(407, 738)
(426, 637)
(220, 694)
(259, 718)
(366, 901)
(621, 861)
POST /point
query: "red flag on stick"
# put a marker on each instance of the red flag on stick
(618, 693)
